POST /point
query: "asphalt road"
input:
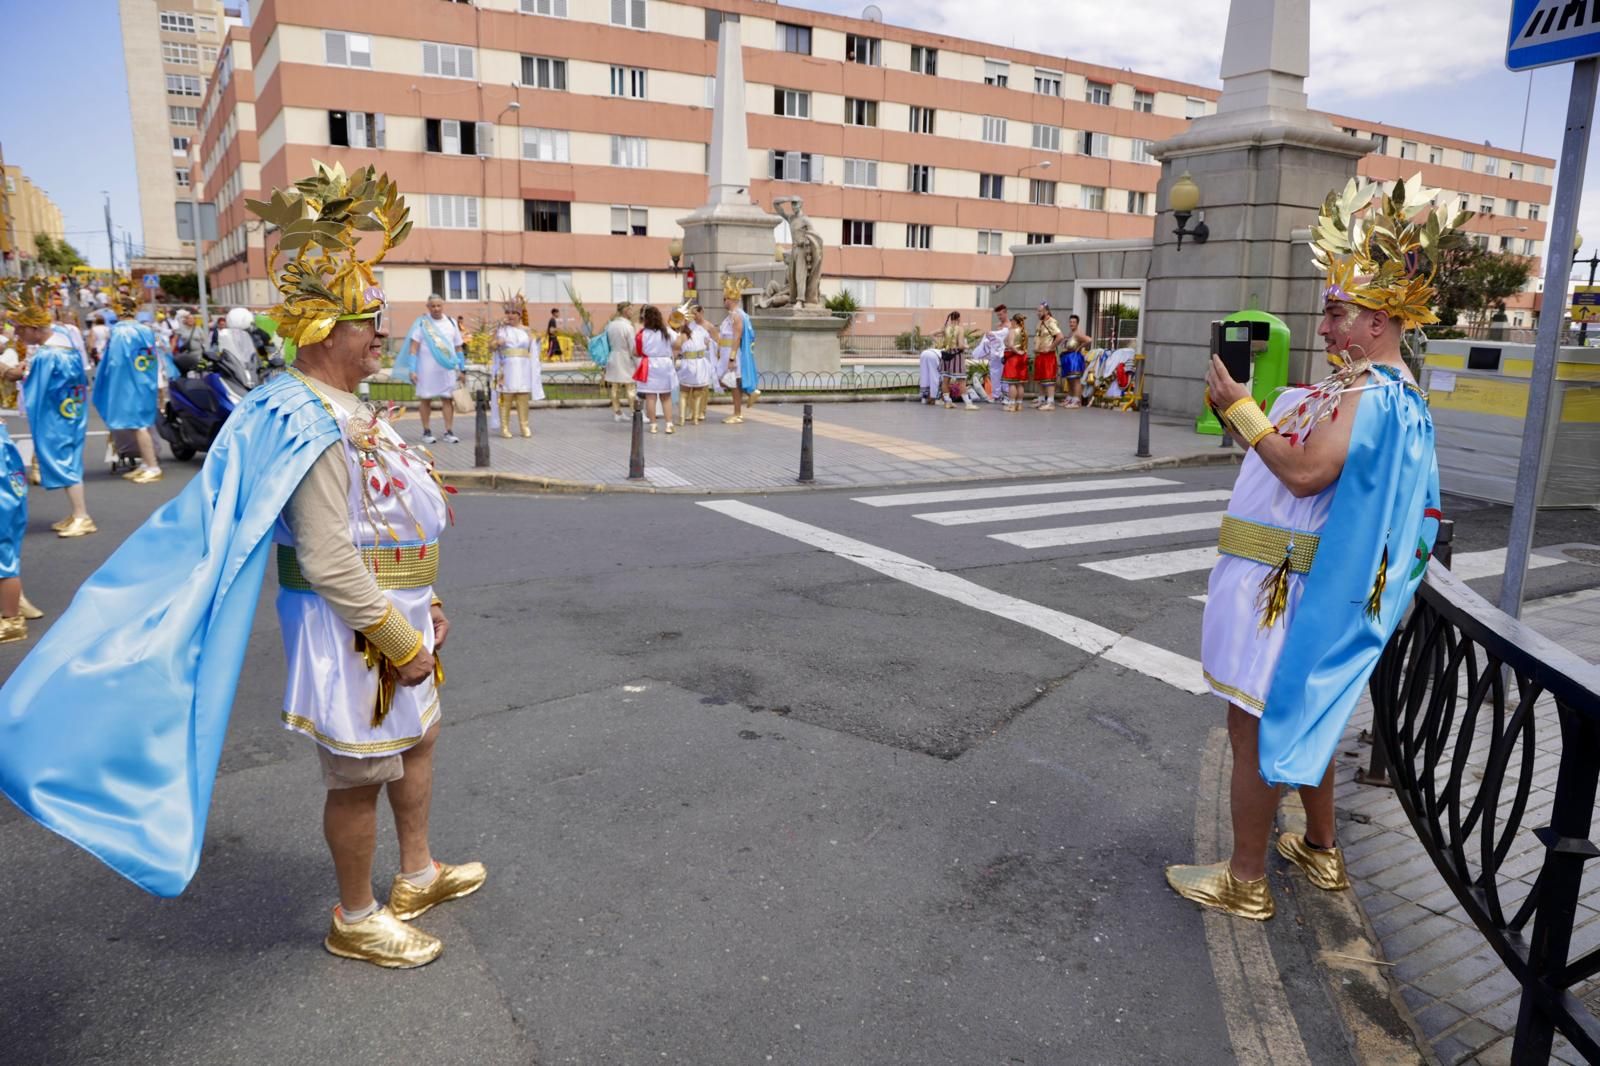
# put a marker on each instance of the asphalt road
(742, 801)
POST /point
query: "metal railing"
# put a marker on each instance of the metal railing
(1466, 701)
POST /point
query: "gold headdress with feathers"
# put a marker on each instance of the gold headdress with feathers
(1385, 258)
(517, 303)
(125, 303)
(733, 288)
(329, 211)
(28, 301)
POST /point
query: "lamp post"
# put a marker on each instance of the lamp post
(1043, 164)
(1183, 198)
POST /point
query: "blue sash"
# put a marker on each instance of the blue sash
(437, 344)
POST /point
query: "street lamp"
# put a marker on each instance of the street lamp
(1043, 164)
(1182, 199)
(1594, 263)
(675, 252)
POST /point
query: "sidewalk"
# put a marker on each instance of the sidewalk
(856, 444)
(1463, 999)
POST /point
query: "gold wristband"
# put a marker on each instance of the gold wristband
(394, 637)
(1248, 422)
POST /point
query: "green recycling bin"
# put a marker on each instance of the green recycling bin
(1267, 337)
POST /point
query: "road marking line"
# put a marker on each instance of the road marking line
(911, 499)
(1176, 670)
(1261, 1025)
(1469, 566)
(1156, 564)
(1060, 507)
(1127, 530)
(660, 475)
(896, 446)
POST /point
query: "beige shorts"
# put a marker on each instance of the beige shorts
(347, 771)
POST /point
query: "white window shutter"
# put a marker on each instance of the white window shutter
(772, 163)
(379, 140)
(791, 166)
(817, 162)
(486, 138)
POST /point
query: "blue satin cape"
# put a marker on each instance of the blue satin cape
(1386, 491)
(112, 727)
(55, 394)
(13, 506)
(405, 363)
(749, 376)
(126, 385)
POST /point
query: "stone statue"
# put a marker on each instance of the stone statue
(802, 286)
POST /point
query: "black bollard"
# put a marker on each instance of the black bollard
(636, 455)
(806, 476)
(1144, 411)
(480, 446)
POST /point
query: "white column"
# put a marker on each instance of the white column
(730, 142)
(1266, 55)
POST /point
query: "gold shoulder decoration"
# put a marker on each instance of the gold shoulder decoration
(320, 220)
(1380, 248)
(27, 301)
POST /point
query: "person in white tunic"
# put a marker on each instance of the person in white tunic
(655, 344)
(434, 348)
(514, 365)
(620, 334)
(694, 346)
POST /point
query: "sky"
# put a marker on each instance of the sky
(1433, 65)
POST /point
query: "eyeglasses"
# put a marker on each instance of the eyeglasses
(377, 317)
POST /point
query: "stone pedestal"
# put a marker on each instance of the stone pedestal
(796, 342)
(717, 238)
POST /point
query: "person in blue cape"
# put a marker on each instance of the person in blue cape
(112, 728)
(1327, 535)
(127, 385)
(55, 395)
(432, 357)
(736, 339)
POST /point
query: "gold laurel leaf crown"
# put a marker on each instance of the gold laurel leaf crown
(27, 301)
(733, 287)
(320, 220)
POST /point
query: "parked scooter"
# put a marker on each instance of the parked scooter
(201, 400)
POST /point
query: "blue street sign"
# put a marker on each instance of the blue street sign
(1552, 31)
(152, 281)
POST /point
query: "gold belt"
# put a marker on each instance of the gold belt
(515, 353)
(1267, 544)
(414, 566)
(691, 355)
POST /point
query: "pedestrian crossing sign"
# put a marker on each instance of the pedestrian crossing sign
(1552, 31)
(1586, 303)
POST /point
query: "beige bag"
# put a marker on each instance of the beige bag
(463, 401)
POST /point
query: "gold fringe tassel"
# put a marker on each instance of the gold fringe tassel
(1273, 599)
(375, 659)
(1375, 601)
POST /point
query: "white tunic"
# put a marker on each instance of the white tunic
(694, 359)
(330, 692)
(434, 381)
(516, 362)
(1238, 656)
(658, 350)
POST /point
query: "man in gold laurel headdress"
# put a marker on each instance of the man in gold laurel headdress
(1316, 568)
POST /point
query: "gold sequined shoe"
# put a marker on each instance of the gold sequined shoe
(146, 476)
(1215, 886)
(383, 940)
(13, 629)
(407, 901)
(28, 610)
(78, 527)
(63, 524)
(1324, 867)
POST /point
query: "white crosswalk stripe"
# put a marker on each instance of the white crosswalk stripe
(1065, 507)
(1127, 530)
(1000, 492)
(1470, 565)
(1157, 564)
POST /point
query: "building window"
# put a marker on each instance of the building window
(633, 287)
(629, 152)
(628, 81)
(450, 136)
(546, 146)
(183, 116)
(1435, 155)
(1381, 140)
(1193, 107)
(1047, 138)
(356, 129)
(792, 38)
(859, 232)
(924, 60)
(991, 187)
(919, 235)
(921, 119)
(1047, 83)
(208, 56)
(1533, 212)
(1469, 160)
(1408, 149)
(183, 85)
(546, 287)
(994, 129)
(447, 60)
(1093, 198)
(180, 146)
(996, 72)
(1144, 100)
(1505, 244)
(919, 177)
(1491, 166)
(346, 49)
(1515, 172)
(176, 22)
(1538, 175)
(1097, 92)
(1138, 203)
(864, 50)
(182, 175)
(1486, 206)
(454, 284)
(1042, 193)
(452, 212)
(794, 166)
(861, 172)
(860, 112)
(629, 222)
(553, 8)
(547, 216)
(1527, 246)
(1095, 144)
(187, 55)
(1482, 241)
(990, 242)
(791, 103)
(1041, 238)
(1140, 152)
(714, 21)
(865, 291)
(919, 293)
(1513, 207)
(628, 13)
(542, 72)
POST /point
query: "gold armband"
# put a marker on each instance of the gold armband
(394, 637)
(1248, 422)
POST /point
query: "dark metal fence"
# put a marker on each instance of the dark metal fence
(1465, 701)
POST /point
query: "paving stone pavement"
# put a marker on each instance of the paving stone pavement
(856, 444)
(1463, 999)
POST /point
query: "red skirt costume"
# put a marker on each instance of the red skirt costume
(1046, 366)
(1015, 366)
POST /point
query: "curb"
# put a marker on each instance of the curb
(527, 484)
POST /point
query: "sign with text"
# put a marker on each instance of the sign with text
(1552, 31)
(1586, 303)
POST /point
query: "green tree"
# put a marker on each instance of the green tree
(57, 256)
(182, 288)
(1474, 282)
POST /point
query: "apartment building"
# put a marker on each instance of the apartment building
(169, 49)
(25, 212)
(548, 143)
(230, 171)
